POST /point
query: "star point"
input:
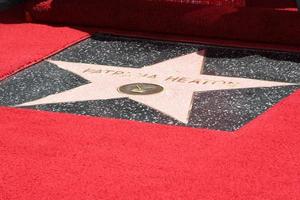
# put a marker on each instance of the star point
(180, 77)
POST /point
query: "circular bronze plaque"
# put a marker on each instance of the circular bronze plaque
(140, 89)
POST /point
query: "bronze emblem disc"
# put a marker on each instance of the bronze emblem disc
(140, 89)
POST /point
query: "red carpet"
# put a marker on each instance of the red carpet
(22, 44)
(61, 156)
(254, 22)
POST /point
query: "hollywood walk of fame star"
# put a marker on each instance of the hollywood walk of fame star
(179, 77)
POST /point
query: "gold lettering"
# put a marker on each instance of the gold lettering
(143, 75)
(171, 78)
(182, 80)
(108, 71)
(232, 84)
(216, 82)
(118, 73)
(205, 82)
(152, 76)
(197, 81)
(93, 71)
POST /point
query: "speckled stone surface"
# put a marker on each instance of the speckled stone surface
(222, 110)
